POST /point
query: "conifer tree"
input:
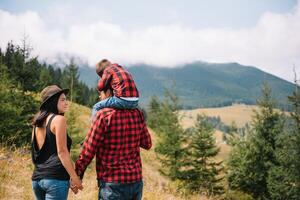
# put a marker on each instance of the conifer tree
(284, 177)
(251, 159)
(200, 171)
(170, 134)
(153, 113)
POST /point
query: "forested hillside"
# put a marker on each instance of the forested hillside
(201, 84)
(22, 77)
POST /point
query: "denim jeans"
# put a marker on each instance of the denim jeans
(114, 102)
(120, 191)
(50, 189)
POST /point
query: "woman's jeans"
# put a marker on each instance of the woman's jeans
(120, 191)
(50, 189)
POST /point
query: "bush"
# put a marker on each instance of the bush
(237, 195)
(16, 110)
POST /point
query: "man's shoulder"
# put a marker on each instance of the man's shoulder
(121, 112)
(109, 111)
(106, 111)
(130, 113)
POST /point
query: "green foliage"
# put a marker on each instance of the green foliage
(163, 118)
(22, 77)
(284, 177)
(186, 156)
(199, 171)
(252, 158)
(30, 75)
(16, 110)
(237, 195)
(45, 78)
(72, 122)
(154, 113)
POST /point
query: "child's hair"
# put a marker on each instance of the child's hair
(100, 67)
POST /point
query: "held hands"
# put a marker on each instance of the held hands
(75, 184)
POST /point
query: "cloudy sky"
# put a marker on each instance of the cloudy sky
(261, 33)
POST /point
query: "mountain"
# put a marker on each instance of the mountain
(201, 84)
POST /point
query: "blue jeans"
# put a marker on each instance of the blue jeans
(120, 191)
(114, 102)
(50, 189)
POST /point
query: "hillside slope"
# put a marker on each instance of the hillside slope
(16, 169)
(202, 84)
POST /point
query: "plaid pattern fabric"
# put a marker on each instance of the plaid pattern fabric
(115, 137)
(120, 80)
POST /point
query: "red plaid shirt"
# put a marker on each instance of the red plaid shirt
(120, 80)
(115, 138)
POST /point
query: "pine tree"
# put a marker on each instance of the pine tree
(251, 159)
(153, 112)
(16, 110)
(200, 171)
(45, 78)
(170, 134)
(284, 177)
(70, 79)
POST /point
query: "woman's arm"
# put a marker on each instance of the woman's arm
(60, 130)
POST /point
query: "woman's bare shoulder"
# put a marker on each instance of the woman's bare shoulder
(59, 119)
(58, 122)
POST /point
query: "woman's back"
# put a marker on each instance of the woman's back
(44, 154)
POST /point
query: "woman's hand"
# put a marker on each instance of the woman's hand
(76, 184)
(74, 188)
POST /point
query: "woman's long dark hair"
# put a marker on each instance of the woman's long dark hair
(49, 107)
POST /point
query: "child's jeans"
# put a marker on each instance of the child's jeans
(114, 102)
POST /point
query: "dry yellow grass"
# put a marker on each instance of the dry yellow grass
(16, 166)
(239, 113)
(16, 169)
(224, 148)
(15, 174)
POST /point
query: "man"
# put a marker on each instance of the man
(115, 138)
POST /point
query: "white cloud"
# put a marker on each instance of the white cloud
(273, 45)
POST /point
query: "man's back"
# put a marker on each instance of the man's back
(116, 137)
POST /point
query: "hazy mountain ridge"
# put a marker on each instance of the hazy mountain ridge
(201, 84)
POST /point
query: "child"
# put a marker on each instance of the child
(125, 93)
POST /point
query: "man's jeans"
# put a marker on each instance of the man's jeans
(120, 191)
(114, 102)
(50, 189)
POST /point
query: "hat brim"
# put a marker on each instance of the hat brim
(65, 91)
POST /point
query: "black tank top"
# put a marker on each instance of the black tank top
(46, 161)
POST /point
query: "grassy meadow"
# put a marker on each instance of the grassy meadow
(16, 168)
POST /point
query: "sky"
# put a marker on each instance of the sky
(170, 33)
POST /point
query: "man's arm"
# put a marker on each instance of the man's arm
(105, 79)
(145, 139)
(90, 146)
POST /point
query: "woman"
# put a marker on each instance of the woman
(51, 145)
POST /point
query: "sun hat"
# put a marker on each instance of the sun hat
(50, 91)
